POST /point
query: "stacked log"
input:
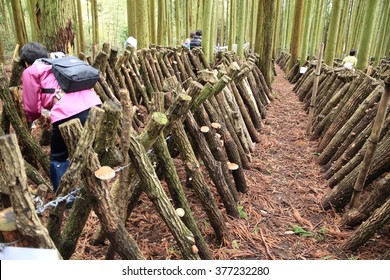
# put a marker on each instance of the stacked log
(347, 111)
(169, 102)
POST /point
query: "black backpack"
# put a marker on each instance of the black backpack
(72, 74)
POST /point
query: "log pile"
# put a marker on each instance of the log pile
(159, 103)
(351, 124)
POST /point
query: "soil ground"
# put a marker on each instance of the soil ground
(281, 214)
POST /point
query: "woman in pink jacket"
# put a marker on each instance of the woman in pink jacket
(37, 80)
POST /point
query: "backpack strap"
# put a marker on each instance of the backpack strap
(48, 90)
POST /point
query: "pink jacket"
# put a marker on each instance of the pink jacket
(39, 76)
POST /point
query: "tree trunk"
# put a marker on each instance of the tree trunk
(56, 27)
(331, 42)
(20, 26)
(367, 30)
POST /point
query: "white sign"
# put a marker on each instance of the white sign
(303, 70)
(20, 253)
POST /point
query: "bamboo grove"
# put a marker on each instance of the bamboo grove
(270, 27)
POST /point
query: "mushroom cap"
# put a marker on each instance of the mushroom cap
(204, 129)
(7, 220)
(180, 212)
(232, 166)
(216, 125)
(105, 173)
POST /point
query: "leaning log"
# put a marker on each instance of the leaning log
(366, 230)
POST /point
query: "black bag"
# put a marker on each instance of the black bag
(73, 74)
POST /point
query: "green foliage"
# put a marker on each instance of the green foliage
(235, 244)
(320, 235)
(241, 211)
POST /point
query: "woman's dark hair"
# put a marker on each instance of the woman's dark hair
(352, 52)
(31, 52)
(199, 32)
(192, 34)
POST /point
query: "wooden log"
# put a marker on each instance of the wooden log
(175, 189)
(129, 85)
(214, 167)
(19, 126)
(339, 196)
(348, 125)
(102, 201)
(345, 112)
(232, 130)
(105, 144)
(326, 115)
(216, 145)
(352, 140)
(145, 75)
(75, 223)
(72, 174)
(371, 146)
(139, 85)
(250, 106)
(379, 195)
(155, 192)
(197, 180)
(365, 231)
(27, 221)
(354, 155)
(153, 69)
(231, 147)
(237, 119)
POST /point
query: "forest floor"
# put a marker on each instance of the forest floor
(282, 217)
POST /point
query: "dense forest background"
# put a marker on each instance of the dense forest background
(270, 27)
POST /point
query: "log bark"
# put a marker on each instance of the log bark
(348, 125)
(19, 126)
(155, 192)
(27, 221)
(232, 151)
(107, 136)
(214, 167)
(346, 111)
(197, 180)
(72, 174)
(379, 195)
(102, 202)
(365, 231)
(340, 194)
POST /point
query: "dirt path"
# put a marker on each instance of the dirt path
(282, 217)
(285, 219)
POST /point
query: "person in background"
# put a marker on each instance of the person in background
(188, 40)
(350, 61)
(37, 77)
(197, 40)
